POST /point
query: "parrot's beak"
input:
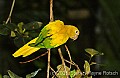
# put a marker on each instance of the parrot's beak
(75, 37)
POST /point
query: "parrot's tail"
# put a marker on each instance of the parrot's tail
(26, 49)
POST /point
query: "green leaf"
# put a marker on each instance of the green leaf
(20, 41)
(91, 51)
(72, 73)
(0, 75)
(33, 74)
(86, 67)
(61, 71)
(32, 25)
(11, 26)
(4, 30)
(12, 34)
(5, 76)
(33, 34)
(20, 27)
(78, 74)
(12, 75)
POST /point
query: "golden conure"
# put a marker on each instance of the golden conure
(52, 35)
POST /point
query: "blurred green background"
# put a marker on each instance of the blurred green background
(97, 20)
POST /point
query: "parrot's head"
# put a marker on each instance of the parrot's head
(73, 32)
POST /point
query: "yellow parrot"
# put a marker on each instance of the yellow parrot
(52, 35)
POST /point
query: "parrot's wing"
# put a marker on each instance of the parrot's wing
(41, 37)
(47, 31)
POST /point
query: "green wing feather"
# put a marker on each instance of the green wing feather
(44, 38)
(47, 43)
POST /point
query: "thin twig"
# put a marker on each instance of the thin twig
(48, 66)
(53, 72)
(63, 63)
(51, 10)
(76, 65)
(69, 62)
(9, 17)
(68, 54)
(57, 72)
(34, 58)
(72, 63)
(51, 19)
(52, 69)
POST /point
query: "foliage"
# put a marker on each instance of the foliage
(61, 72)
(20, 32)
(13, 75)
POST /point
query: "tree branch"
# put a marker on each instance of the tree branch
(63, 62)
(51, 19)
(51, 11)
(48, 66)
(9, 17)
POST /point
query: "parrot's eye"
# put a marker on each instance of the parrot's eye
(77, 32)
